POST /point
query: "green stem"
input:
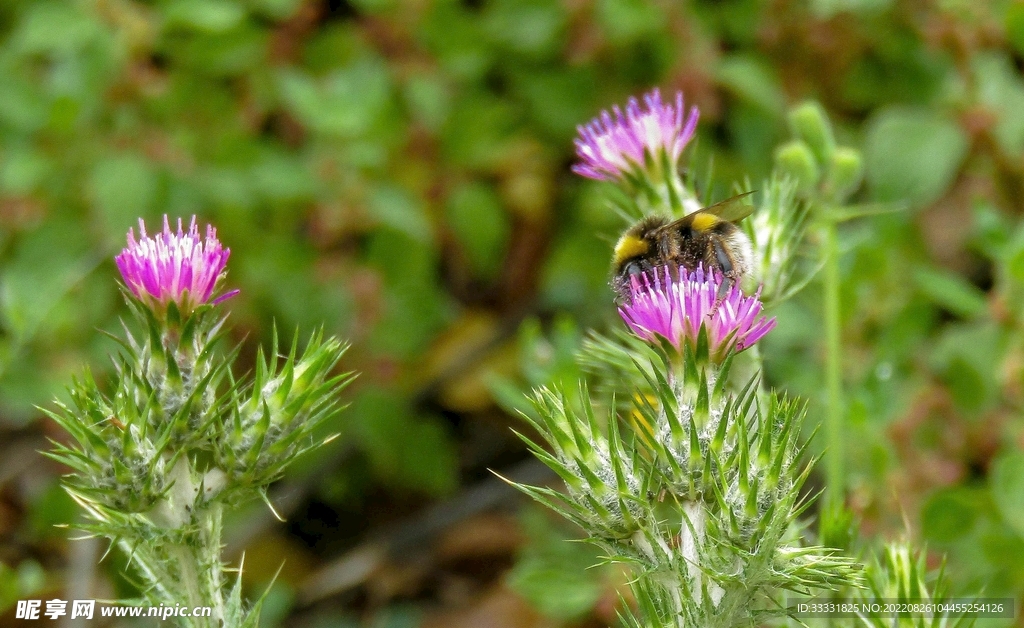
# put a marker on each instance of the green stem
(196, 561)
(834, 460)
(188, 569)
(212, 547)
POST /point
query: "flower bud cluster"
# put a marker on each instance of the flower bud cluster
(602, 481)
(274, 418)
(117, 464)
(814, 161)
(776, 231)
(899, 574)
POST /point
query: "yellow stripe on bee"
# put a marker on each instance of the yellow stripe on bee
(703, 222)
(629, 246)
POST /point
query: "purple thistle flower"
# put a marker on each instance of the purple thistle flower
(179, 267)
(673, 305)
(609, 147)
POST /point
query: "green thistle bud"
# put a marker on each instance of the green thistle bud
(796, 159)
(810, 123)
(845, 171)
(273, 422)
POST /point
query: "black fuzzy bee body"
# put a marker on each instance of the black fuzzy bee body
(708, 237)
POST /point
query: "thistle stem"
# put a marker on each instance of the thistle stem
(834, 461)
(197, 559)
(212, 547)
(187, 569)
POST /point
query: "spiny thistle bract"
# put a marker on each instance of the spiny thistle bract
(155, 460)
(698, 488)
(776, 231)
(898, 574)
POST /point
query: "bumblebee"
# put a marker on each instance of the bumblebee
(708, 236)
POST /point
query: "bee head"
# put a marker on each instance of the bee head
(638, 241)
(636, 252)
(630, 245)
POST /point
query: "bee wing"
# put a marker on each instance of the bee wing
(732, 209)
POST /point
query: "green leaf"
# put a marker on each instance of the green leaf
(626, 21)
(123, 188)
(481, 225)
(281, 178)
(416, 308)
(951, 292)
(577, 270)
(411, 451)
(912, 154)
(828, 8)
(1001, 91)
(1014, 23)
(398, 209)
(277, 272)
(554, 573)
(276, 9)
(429, 100)
(456, 36)
(22, 170)
(752, 80)
(53, 507)
(210, 16)
(233, 52)
(559, 99)
(346, 102)
(373, 6)
(55, 27)
(482, 143)
(949, 515)
(406, 615)
(23, 105)
(44, 268)
(1014, 256)
(532, 27)
(1007, 486)
(224, 186)
(967, 356)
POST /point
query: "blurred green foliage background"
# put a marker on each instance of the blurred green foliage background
(397, 171)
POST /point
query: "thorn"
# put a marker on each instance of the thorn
(266, 500)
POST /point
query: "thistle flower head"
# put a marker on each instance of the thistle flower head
(673, 303)
(179, 267)
(612, 145)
